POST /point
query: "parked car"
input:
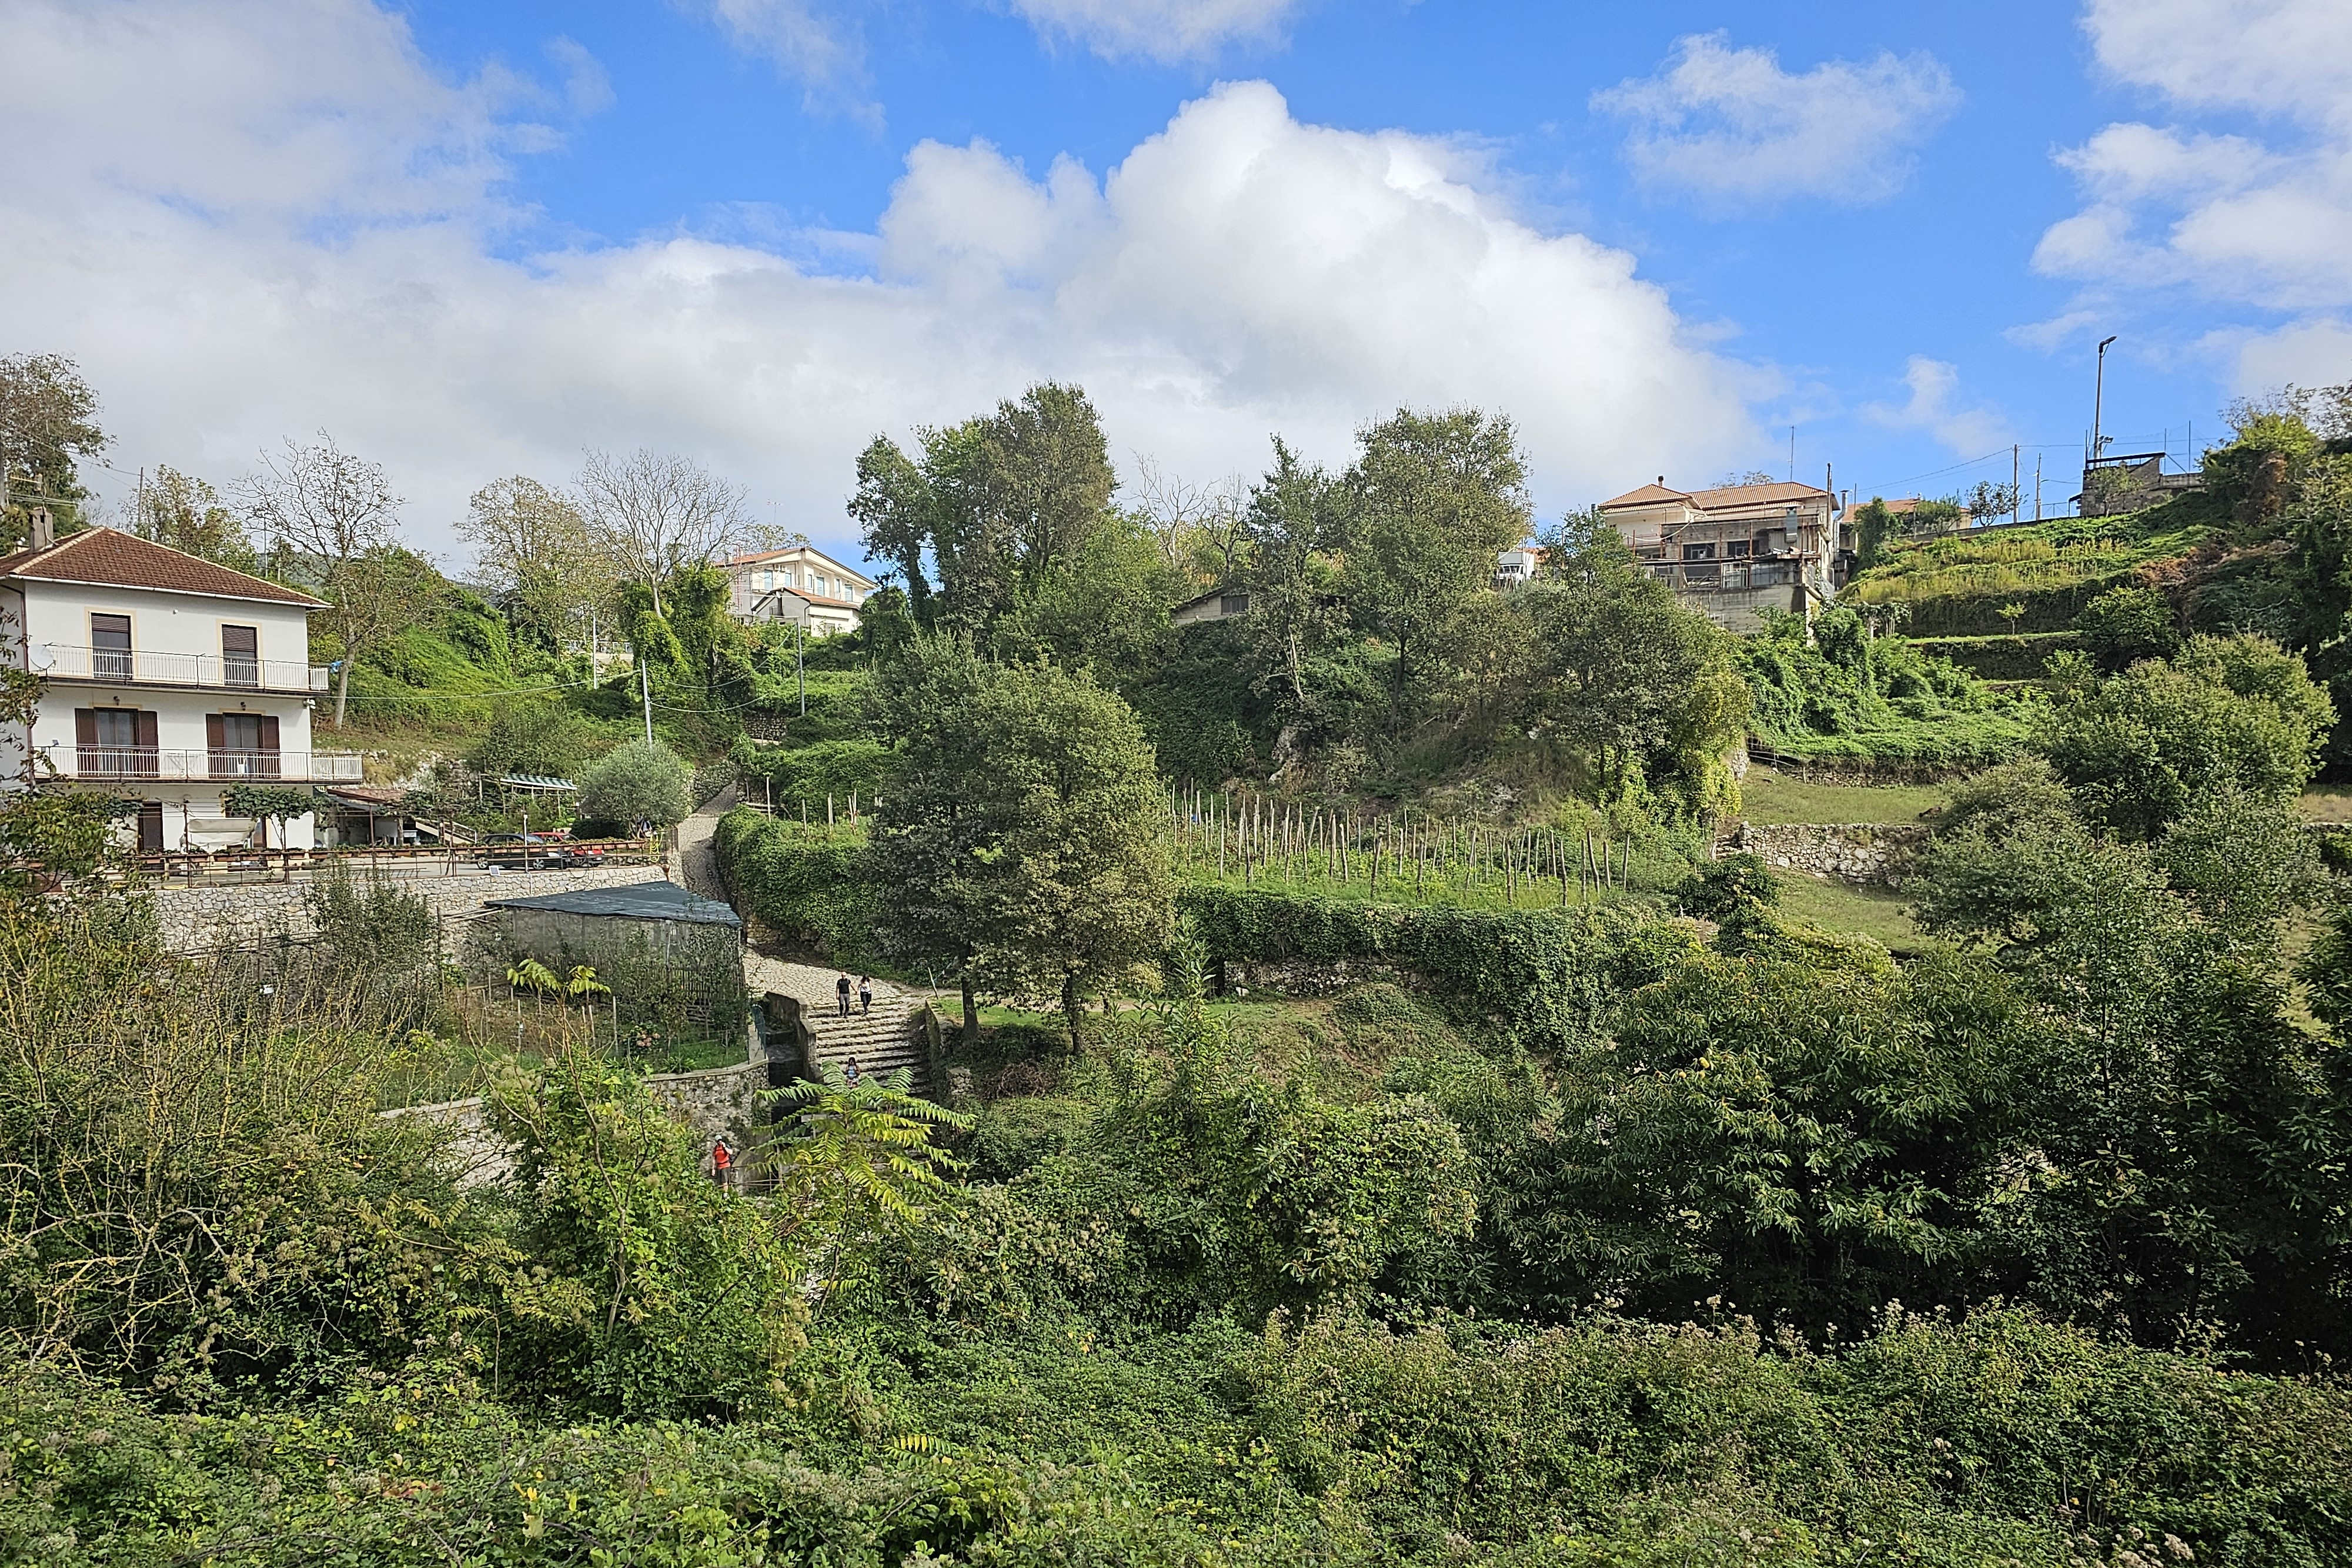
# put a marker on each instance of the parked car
(536, 851)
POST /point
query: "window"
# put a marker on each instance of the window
(242, 745)
(114, 743)
(110, 647)
(241, 655)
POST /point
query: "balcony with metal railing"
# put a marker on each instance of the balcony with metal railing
(139, 667)
(105, 763)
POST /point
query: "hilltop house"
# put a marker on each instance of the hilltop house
(1733, 551)
(801, 585)
(167, 679)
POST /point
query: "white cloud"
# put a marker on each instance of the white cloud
(806, 44)
(239, 243)
(1731, 128)
(1935, 386)
(2266, 222)
(2273, 57)
(1163, 30)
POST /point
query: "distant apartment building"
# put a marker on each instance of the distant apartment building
(167, 679)
(1735, 551)
(803, 586)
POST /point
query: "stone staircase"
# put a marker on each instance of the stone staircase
(881, 1041)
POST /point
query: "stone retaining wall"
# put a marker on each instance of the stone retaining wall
(718, 1102)
(1869, 854)
(194, 919)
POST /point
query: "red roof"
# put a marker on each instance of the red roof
(1721, 499)
(1647, 496)
(109, 558)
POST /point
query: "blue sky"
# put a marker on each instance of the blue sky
(473, 239)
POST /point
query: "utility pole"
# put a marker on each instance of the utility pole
(2099, 398)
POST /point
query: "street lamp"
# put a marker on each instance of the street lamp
(2099, 398)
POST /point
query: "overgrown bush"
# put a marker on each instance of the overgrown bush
(807, 882)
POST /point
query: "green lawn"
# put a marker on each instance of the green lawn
(1873, 912)
(1768, 795)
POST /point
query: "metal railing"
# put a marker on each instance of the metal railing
(233, 672)
(127, 762)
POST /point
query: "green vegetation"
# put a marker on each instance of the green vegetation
(642, 783)
(1774, 795)
(1839, 691)
(1960, 584)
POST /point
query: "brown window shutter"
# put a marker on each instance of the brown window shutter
(85, 727)
(143, 730)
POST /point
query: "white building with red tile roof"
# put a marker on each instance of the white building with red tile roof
(1735, 550)
(802, 585)
(167, 679)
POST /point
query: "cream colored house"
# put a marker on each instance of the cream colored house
(1733, 551)
(167, 679)
(802, 585)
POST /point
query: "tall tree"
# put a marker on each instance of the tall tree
(1636, 685)
(1020, 844)
(531, 541)
(48, 416)
(331, 519)
(185, 513)
(893, 510)
(1432, 499)
(999, 502)
(1294, 523)
(659, 513)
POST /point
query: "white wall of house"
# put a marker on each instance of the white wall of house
(181, 670)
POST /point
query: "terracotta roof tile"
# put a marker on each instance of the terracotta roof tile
(1754, 495)
(109, 558)
(1647, 496)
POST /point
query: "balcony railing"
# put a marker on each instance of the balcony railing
(128, 762)
(139, 667)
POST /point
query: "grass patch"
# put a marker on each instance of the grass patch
(2327, 803)
(1877, 913)
(1768, 795)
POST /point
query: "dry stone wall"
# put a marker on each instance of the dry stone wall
(1868, 854)
(196, 919)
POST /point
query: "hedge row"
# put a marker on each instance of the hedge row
(806, 882)
(1552, 975)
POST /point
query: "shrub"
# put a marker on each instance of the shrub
(807, 882)
(643, 782)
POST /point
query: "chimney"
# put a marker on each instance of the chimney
(44, 529)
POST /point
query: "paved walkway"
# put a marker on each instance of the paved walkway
(697, 862)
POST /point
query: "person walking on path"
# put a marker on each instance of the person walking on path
(841, 990)
(865, 993)
(722, 1164)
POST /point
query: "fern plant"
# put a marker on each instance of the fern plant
(855, 1173)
